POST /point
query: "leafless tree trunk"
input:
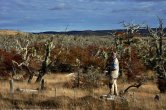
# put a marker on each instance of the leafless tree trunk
(46, 63)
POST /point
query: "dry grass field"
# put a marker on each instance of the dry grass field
(57, 96)
(9, 32)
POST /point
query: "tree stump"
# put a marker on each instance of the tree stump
(11, 87)
(162, 85)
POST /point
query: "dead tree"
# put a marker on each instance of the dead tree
(46, 62)
(24, 65)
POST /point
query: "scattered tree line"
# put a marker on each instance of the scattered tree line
(38, 54)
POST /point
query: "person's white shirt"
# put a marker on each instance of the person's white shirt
(115, 73)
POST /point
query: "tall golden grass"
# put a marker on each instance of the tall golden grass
(56, 96)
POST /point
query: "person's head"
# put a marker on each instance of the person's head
(113, 55)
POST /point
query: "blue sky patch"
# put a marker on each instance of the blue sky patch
(56, 15)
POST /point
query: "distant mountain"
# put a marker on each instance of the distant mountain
(143, 32)
(83, 33)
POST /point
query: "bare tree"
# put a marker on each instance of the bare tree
(23, 50)
(46, 62)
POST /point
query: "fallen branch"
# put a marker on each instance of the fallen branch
(136, 85)
(27, 90)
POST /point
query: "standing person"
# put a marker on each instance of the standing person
(113, 73)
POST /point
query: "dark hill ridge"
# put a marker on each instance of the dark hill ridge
(143, 32)
(83, 33)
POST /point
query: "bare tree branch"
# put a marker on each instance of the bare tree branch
(136, 85)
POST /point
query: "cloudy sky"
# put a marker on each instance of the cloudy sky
(56, 15)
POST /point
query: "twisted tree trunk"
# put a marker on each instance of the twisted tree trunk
(45, 63)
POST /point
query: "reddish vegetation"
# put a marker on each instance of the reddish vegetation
(133, 68)
(85, 55)
(120, 33)
(66, 59)
(6, 62)
(6, 59)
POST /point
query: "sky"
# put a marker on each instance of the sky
(61, 15)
